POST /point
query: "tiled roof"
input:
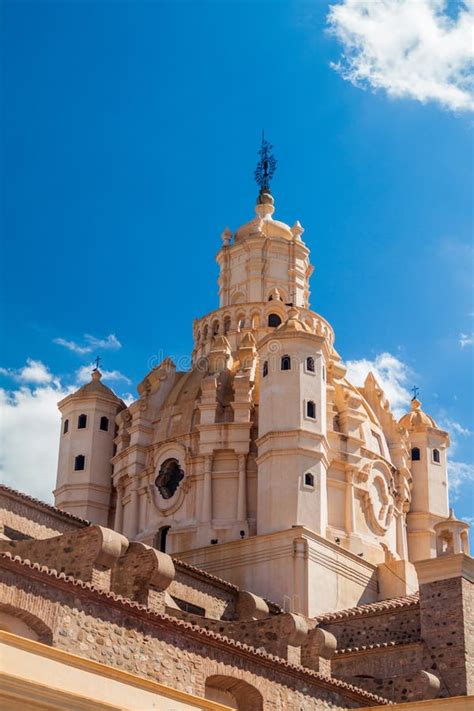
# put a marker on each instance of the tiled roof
(373, 608)
(42, 504)
(41, 571)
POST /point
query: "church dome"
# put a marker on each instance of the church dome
(96, 389)
(416, 417)
(263, 225)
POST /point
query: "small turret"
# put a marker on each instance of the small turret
(84, 483)
(429, 504)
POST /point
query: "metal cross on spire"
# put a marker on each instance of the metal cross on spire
(266, 166)
(415, 392)
(97, 363)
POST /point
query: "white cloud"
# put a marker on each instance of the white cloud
(72, 346)
(466, 339)
(30, 434)
(83, 374)
(409, 48)
(459, 474)
(390, 372)
(33, 372)
(110, 342)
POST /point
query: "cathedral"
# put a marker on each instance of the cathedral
(260, 506)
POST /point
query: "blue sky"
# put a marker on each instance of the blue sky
(129, 138)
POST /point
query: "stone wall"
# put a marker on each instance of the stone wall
(214, 596)
(101, 627)
(446, 608)
(397, 626)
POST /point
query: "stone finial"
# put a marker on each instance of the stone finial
(275, 295)
(226, 237)
(96, 375)
(297, 230)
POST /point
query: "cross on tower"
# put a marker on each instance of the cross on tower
(415, 392)
(97, 363)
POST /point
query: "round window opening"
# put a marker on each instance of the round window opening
(169, 478)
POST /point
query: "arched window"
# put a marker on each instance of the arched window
(65, 426)
(82, 422)
(309, 479)
(104, 424)
(310, 364)
(226, 324)
(274, 320)
(79, 463)
(205, 332)
(436, 456)
(311, 409)
(286, 362)
(160, 538)
(215, 328)
(415, 454)
(265, 368)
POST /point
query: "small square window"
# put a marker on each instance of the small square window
(309, 479)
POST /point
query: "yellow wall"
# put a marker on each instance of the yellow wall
(35, 676)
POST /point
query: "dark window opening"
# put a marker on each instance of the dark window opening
(309, 479)
(189, 607)
(160, 538)
(436, 456)
(310, 364)
(104, 424)
(286, 362)
(274, 320)
(79, 463)
(311, 409)
(324, 373)
(265, 368)
(415, 454)
(169, 478)
(65, 426)
(82, 422)
(15, 535)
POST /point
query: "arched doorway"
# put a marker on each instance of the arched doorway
(236, 693)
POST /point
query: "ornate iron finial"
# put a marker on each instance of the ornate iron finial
(266, 166)
(97, 363)
(415, 392)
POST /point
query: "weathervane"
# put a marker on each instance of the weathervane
(266, 165)
(415, 392)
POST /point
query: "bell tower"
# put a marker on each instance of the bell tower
(84, 479)
(292, 445)
(429, 505)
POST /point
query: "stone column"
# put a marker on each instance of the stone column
(349, 502)
(134, 506)
(242, 489)
(400, 518)
(118, 523)
(206, 515)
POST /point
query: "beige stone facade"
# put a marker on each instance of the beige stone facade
(265, 435)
